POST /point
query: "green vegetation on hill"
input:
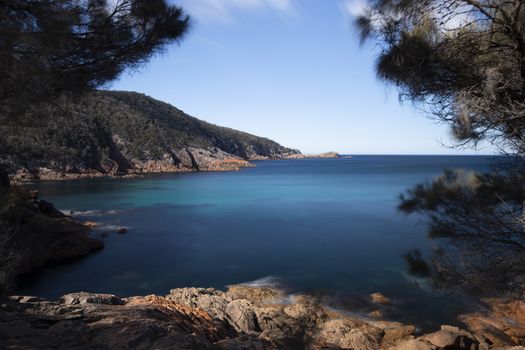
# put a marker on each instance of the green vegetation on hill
(124, 127)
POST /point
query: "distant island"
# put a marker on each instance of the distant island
(320, 155)
(125, 133)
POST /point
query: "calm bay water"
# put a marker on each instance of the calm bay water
(326, 226)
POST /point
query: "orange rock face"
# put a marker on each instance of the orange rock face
(502, 325)
(205, 318)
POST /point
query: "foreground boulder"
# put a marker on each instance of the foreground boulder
(502, 324)
(205, 318)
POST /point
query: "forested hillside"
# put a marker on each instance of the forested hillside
(109, 132)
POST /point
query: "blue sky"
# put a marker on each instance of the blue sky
(289, 70)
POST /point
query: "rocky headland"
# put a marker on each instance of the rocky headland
(117, 133)
(34, 233)
(241, 318)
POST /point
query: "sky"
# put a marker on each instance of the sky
(292, 71)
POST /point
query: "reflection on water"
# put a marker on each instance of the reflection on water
(324, 226)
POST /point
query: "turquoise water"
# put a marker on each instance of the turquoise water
(324, 226)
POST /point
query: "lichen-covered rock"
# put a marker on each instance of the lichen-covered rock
(487, 330)
(394, 332)
(246, 342)
(258, 295)
(413, 344)
(296, 310)
(207, 299)
(242, 316)
(205, 318)
(449, 337)
(348, 334)
(502, 325)
(90, 298)
(97, 321)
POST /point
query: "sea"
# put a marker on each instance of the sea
(325, 227)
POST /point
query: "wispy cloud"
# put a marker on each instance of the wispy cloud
(455, 19)
(353, 8)
(449, 21)
(225, 10)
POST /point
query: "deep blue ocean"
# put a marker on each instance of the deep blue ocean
(324, 226)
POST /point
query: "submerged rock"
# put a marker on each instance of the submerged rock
(379, 298)
(122, 230)
(376, 314)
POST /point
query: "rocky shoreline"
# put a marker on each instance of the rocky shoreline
(185, 160)
(188, 160)
(243, 317)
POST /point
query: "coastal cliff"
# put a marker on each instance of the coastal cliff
(121, 133)
(241, 318)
